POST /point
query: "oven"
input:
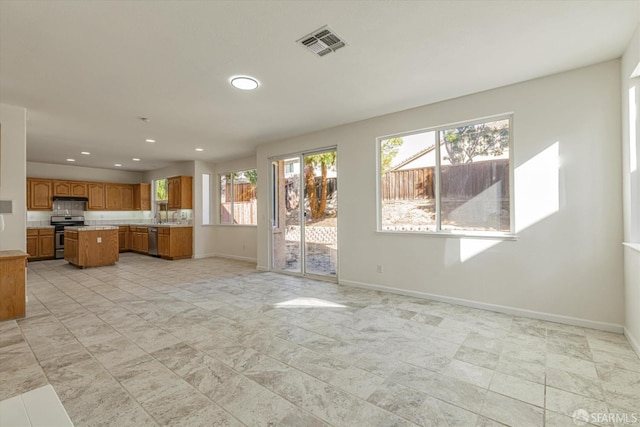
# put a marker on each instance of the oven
(60, 222)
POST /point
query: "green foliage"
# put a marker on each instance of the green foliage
(161, 189)
(252, 176)
(466, 142)
(323, 160)
(388, 150)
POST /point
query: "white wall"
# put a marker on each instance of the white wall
(230, 241)
(631, 188)
(81, 173)
(13, 175)
(567, 263)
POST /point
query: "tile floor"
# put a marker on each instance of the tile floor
(213, 342)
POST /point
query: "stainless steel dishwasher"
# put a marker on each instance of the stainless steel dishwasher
(153, 241)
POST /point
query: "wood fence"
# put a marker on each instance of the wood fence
(244, 212)
(242, 192)
(457, 181)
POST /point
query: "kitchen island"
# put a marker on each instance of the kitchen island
(91, 246)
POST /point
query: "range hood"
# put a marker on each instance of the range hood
(70, 199)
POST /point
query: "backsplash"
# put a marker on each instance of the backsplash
(40, 218)
(66, 207)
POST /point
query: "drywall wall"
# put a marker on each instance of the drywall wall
(631, 187)
(13, 157)
(230, 241)
(177, 169)
(567, 262)
(204, 235)
(81, 173)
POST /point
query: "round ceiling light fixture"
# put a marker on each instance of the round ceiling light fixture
(244, 83)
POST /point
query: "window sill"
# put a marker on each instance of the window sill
(236, 225)
(452, 235)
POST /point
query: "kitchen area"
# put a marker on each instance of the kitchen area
(152, 219)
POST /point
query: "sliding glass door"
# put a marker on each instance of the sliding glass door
(304, 214)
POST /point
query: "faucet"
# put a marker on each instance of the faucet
(157, 218)
(173, 216)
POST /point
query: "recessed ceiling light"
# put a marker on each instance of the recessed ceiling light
(135, 159)
(199, 149)
(71, 160)
(244, 83)
(86, 153)
(150, 141)
(117, 165)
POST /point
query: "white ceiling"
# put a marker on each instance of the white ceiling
(87, 70)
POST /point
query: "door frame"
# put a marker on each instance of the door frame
(302, 220)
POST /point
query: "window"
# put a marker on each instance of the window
(161, 192)
(206, 203)
(238, 202)
(451, 179)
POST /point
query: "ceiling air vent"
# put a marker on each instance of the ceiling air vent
(322, 41)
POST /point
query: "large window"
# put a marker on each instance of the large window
(451, 179)
(238, 202)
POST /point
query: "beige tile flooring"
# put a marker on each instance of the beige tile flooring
(214, 342)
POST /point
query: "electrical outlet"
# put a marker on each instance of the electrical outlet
(99, 239)
(380, 268)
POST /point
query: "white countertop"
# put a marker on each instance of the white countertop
(91, 227)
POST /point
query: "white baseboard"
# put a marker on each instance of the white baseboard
(632, 340)
(610, 327)
(235, 257)
(203, 256)
(262, 268)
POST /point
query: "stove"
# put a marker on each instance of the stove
(60, 222)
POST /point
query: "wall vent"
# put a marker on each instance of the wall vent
(322, 41)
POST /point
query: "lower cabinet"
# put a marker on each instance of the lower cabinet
(41, 243)
(139, 239)
(175, 242)
(124, 241)
(12, 284)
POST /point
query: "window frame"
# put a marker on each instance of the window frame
(231, 196)
(439, 232)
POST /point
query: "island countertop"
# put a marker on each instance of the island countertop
(91, 227)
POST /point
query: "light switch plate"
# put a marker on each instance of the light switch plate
(6, 206)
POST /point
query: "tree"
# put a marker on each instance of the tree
(323, 161)
(388, 150)
(466, 142)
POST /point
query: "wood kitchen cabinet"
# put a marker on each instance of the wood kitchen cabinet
(139, 239)
(142, 196)
(70, 188)
(113, 197)
(175, 242)
(13, 301)
(91, 247)
(119, 197)
(180, 192)
(39, 194)
(96, 197)
(126, 197)
(41, 243)
(124, 244)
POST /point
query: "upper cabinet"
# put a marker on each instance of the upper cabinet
(96, 197)
(113, 196)
(102, 196)
(142, 197)
(39, 194)
(180, 192)
(70, 188)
